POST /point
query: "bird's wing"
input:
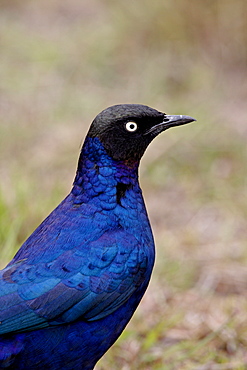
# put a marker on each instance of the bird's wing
(89, 282)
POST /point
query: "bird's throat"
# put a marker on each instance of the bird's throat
(100, 179)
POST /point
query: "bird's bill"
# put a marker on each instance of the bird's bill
(170, 121)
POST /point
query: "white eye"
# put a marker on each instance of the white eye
(131, 126)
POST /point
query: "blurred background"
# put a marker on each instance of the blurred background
(61, 63)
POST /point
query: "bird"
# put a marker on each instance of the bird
(75, 283)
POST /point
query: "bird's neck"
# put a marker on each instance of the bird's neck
(99, 176)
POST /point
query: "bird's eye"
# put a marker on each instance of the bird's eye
(131, 126)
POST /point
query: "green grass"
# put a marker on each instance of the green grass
(61, 63)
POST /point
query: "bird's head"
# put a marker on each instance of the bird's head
(126, 130)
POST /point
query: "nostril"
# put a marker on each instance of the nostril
(165, 119)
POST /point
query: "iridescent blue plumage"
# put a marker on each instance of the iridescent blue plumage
(75, 283)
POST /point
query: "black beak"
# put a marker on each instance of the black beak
(170, 121)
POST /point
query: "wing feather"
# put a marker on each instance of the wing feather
(90, 285)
